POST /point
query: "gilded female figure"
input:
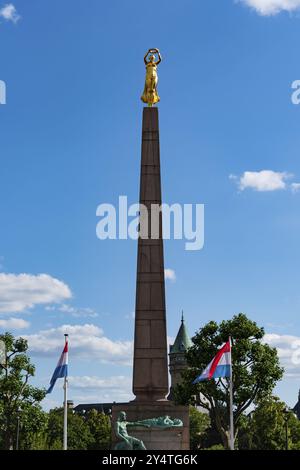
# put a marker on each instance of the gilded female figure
(150, 94)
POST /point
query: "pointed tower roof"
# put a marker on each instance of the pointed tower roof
(183, 341)
(296, 408)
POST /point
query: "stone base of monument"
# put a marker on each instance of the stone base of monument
(155, 438)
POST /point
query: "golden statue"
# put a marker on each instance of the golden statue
(150, 94)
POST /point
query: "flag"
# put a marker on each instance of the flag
(61, 368)
(219, 366)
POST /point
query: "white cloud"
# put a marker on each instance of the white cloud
(264, 180)
(170, 340)
(280, 326)
(77, 312)
(170, 274)
(288, 348)
(272, 7)
(21, 291)
(9, 13)
(14, 324)
(106, 396)
(95, 382)
(130, 316)
(49, 403)
(86, 342)
(295, 187)
(89, 389)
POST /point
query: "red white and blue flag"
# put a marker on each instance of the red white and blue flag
(220, 366)
(61, 368)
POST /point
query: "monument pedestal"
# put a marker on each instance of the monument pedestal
(175, 438)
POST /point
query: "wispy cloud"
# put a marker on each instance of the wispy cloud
(288, 348)
(264, 180)
(9, 13)
(86, 342)
(76, 312)
(130, 316)
(170, 274)
(101, 389)
(271, 7)
(21, 291)
(14, 324)
(280, 326)
(295, 187)
(50, 403)
(94, 383)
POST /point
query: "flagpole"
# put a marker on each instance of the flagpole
(231, 403)
(65, 446)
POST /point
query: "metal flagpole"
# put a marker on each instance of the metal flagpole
(231, 402)
(65, 446)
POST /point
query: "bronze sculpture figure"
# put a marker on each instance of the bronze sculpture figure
(150, 95)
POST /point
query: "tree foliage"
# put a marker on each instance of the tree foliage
(90, 431)
(79, 436)
(19, 400)
(199, 423)
(100, 428)
(256, 370)
(265, 428)
(20, 409)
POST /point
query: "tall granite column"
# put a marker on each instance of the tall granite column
(150, 373)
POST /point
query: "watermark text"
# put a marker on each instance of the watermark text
(2, 92)
(176, 221)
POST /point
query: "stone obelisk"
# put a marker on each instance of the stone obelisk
(150, 370)
(150, 364)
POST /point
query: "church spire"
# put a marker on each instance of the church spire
(183, 341)
(178, 362)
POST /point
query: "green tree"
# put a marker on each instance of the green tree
(256, 370)
(100, 428)
(33, 421)
(265, 427)
(18, 399)
(215, 447)
(79, 435)
(199, 423)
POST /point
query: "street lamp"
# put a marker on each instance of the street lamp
(286, 417)
(18, 427)
(2, 354)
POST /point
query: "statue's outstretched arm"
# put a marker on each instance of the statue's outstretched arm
(138, 423)
(159, 58)
(145, 58)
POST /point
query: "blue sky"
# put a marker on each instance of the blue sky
(70, 136)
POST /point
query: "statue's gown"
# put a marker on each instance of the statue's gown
(150, 94)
